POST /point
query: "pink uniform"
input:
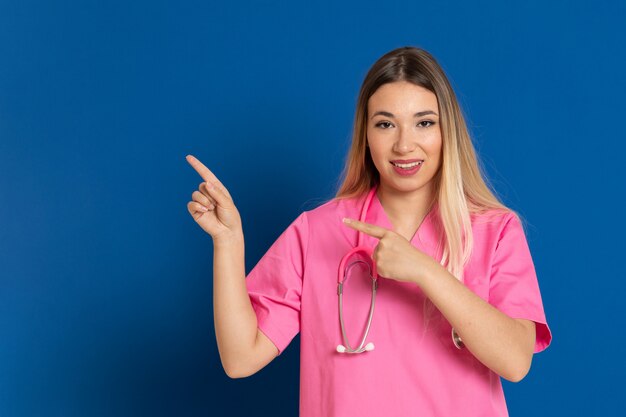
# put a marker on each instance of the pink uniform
(415, 369)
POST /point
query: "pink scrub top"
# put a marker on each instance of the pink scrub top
(415, 369)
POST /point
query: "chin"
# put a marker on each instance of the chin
(406, 185)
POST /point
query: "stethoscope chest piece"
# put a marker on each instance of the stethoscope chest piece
(456, 339)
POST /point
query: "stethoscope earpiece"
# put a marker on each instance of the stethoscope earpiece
(368, 347)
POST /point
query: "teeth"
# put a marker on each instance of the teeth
(411, 165)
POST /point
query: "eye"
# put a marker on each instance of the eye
(426, 121)
(383, 125)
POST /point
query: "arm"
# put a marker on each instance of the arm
(503, 344)
(243, 348)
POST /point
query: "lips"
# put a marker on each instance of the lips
(405, 161)
(409, 169)
(407, 164)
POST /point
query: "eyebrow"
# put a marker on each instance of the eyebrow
(418, 114)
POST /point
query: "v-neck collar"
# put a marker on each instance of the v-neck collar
(424, 236)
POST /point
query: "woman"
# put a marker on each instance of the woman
(457, 303)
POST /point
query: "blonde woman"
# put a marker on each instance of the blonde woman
(438, 300)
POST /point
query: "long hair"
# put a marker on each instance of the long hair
(461, 189)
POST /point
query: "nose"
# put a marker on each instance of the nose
(405, 141)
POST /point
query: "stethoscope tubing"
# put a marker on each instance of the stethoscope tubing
(350, 349)
(343, 272)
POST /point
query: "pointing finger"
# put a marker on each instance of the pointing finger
(370, 229)
(206, 173)
(201, 169)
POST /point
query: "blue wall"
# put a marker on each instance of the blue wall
(105, 279)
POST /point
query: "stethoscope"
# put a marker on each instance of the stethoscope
(371, 267)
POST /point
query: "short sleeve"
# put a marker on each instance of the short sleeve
(513, 286)
(275, 284)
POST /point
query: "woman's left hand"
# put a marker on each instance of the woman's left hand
(395, 256)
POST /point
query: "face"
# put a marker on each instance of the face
(403, 128)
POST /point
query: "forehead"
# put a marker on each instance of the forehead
(402, 97)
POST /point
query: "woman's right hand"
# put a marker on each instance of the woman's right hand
(212, 206)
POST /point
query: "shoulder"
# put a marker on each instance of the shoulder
(494, 217)
(324, 223)
(323, 218)
(333, 210)
(492, 224)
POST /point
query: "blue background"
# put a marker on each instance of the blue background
(105, 279)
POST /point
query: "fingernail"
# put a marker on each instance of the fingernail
(346, 220)
(210, 185)
(204, 208)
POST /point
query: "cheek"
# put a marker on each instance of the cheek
(375, 147)
(434, 146)
(434, 150)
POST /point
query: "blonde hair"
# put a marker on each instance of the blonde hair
(461, 189)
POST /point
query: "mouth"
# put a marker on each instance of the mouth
(407, 164)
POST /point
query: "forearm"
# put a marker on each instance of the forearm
(498, 341)
(235, 319)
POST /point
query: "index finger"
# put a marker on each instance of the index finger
(370, 229)
(201, 169)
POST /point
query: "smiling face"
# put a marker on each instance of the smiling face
(403, 127)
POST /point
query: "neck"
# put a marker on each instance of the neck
(406, 207)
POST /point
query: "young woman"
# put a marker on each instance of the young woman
(441, 295)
